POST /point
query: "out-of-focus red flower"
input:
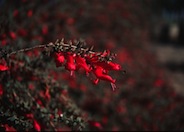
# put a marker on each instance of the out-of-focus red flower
(3, 67)
(12, 35)
(10, 129)
(36, 125)
(39, 102)
(95, 124)
(3, 42)
(29, 13)
(31, 86)
(45, 30)
(70, 21)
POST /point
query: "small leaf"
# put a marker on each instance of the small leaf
(79, 119)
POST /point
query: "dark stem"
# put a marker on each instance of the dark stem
(28, 49)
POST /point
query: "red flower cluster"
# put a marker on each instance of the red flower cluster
(90, 63)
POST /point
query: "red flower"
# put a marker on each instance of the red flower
(70, 62)
(3, 68)
(92, 58)
(90, 62)
(109, 66)
(81, 63)
(99, 72)
(59, 59)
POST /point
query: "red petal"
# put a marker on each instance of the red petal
(59, 59)
(70, 64)
(96, 81)
(81, 63)
(98, 71)
(109, 65)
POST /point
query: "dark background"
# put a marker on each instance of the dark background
(147, 36)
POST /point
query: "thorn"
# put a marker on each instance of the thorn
(71, 73)
(62, 40)
(57, 41)
(113, 86)
(70, 43)
(75, 41)
(91, 48)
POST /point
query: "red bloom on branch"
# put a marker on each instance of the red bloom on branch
(81, 63)
(70, 62)
(59, 59)
(99, 63)
(100, 74)
(109, 66)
